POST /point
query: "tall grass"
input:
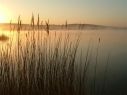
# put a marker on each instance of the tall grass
(48, 68)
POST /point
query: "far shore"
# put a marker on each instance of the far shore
(6, 26)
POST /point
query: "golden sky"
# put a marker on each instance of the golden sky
(101, 12)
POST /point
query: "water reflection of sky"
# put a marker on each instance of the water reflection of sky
(115, 41)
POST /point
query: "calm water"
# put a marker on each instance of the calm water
(110, 40)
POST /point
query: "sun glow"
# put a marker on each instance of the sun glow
(1, 18)
(1, 14)
(5, 14)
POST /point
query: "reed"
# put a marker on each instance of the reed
(48, 68)
(94, 85)
(105, 74)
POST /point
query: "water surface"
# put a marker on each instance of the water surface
(114, 41)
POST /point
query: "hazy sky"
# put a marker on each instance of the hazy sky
(102, 12)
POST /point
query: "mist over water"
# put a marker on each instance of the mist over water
(110, 40)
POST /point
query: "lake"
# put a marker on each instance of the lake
(113, 41)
